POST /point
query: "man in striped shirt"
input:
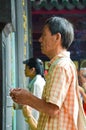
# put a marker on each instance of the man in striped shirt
(59, 104)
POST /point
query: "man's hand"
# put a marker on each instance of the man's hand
(20, 96)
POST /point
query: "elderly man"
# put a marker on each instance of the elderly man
(59, 104)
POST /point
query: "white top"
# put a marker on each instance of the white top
(36, 86)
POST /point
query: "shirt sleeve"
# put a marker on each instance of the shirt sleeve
(59, 82)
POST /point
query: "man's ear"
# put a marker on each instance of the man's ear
(58, 36)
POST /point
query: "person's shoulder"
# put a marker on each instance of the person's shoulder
(64, 62)
(39, 79)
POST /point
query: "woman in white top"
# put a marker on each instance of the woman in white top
(34, 69)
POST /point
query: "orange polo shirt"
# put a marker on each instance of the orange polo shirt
(60, 89)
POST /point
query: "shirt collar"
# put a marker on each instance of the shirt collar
(60, 55)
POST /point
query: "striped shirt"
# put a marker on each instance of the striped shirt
(60, 89)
